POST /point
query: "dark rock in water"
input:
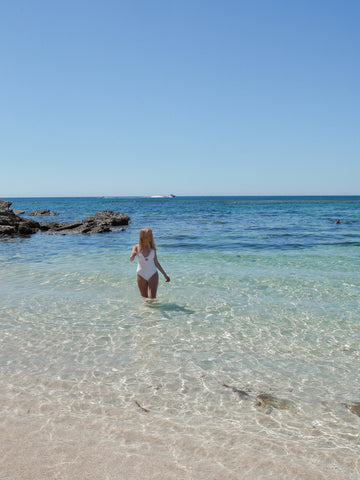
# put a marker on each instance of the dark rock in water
(354, 407)
(12, 224)
(45, 226)
(38, 213)
(28, 227)
(104, 221)
(58, 227)
(5, 205)
(7, 230)
(112, 218)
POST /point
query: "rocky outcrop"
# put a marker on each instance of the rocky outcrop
(103, 221)
(5, 205)
(12, 224)
(38, 213)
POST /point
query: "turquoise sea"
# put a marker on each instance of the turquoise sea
(246, 366)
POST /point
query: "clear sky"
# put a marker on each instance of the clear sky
(191, 97)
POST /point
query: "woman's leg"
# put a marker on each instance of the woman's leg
(143, 286)
(153, 285)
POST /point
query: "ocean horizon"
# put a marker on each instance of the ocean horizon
(244, 367)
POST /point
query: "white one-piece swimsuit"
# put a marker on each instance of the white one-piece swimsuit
(146, 265)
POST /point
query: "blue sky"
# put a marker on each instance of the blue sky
(197, 97)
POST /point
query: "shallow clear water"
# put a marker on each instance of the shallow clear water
(264, 299)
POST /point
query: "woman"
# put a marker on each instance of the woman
(147, 275)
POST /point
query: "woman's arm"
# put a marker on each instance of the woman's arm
(159, 267)
(134, 252)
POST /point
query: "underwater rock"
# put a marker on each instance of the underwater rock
(268, 400)
(241, 393)
(265, 400)
(353, 407)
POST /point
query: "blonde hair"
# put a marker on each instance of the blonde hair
(143, 239)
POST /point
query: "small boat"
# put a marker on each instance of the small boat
(163, 196)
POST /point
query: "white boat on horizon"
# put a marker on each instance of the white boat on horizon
(163, 196)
